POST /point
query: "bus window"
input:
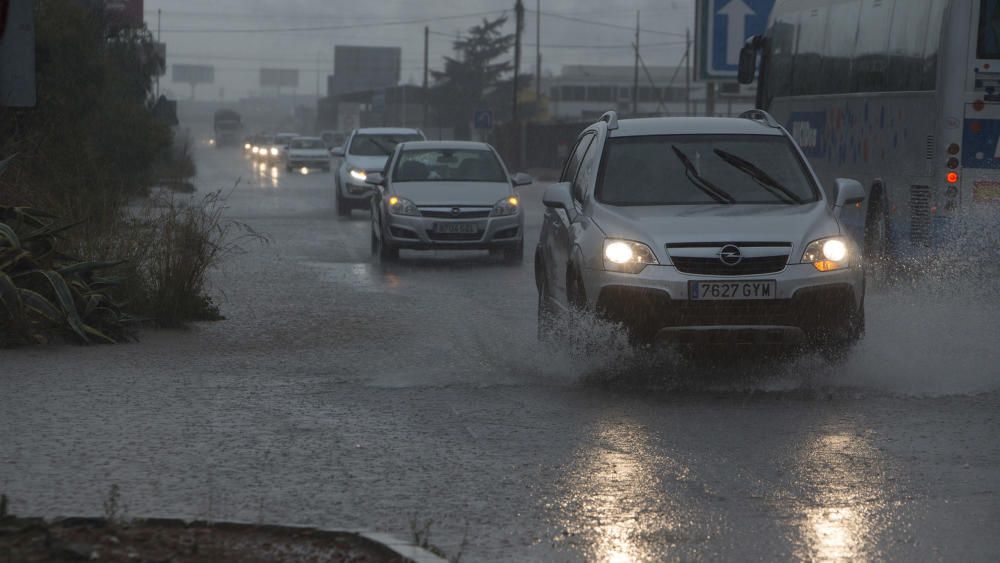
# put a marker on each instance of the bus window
(870, 60)
(841, 38)
(934, 30)
(807, 64)
(989, 30)
(906, 48)
(779, 73)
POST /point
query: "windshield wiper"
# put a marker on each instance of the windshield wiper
(713, 191)
(774, 187)
(381, 147)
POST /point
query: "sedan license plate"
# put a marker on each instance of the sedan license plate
(456, 228)
(732, 291)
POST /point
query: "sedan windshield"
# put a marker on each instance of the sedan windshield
(704, 169)
(449, 165)
(379, 145)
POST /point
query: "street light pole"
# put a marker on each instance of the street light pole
(516, 126)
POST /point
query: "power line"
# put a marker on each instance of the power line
(334, 27)
(608, 25)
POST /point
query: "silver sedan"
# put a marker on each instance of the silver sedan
(447, 195)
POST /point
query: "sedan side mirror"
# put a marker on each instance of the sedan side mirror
(522, 179)
(849, 192)
(338, 151)
(375, 179)
(558, 196)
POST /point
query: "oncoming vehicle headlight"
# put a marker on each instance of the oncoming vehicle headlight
(255, 150)
(627, 256)
(246, 146)
(402, 206)
(506, 206)
(274, 151)
(828, 254)
(359, 175)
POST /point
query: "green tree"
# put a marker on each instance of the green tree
(480, 66)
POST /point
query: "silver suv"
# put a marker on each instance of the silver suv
(700, 231)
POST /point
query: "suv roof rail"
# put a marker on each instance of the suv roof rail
(761, 116)
(611, 117)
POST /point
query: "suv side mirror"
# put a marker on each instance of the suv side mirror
(338, 151)
(849, 192)
(375, 179)
(748, 62)
(521, 179)
(558, 196)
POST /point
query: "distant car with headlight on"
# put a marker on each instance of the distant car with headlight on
(699, 231)
(447, 195)
(307, 152)
(365, 151)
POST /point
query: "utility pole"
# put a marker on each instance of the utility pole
(635, 80)
(687, 72)
(516, 125)
(158, 14)
(538, 52)
(426, 94)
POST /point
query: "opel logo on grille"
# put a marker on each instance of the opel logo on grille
(456, 211)
(730, 255)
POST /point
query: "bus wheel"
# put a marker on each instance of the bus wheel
(878, 256)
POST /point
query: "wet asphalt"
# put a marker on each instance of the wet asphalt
(345, 394)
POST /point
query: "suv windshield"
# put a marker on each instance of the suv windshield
(379, 145)
(448, 165)
(703, 169)
(308, 144)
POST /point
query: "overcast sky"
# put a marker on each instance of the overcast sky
(238, 56)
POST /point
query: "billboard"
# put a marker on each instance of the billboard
(123, 13)
(193, 74)
(364, 68)
(279, 77)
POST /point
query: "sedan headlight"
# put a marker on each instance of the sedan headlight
(246, 146)
(506, 206)
(627, 256)
(828, 254)
(359, 175)
(403, 206)
(274, 151)
(255, 150)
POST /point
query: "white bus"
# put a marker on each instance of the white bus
(902, 95)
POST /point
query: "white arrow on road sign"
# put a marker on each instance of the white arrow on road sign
(737, 12)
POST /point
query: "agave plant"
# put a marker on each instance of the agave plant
(44, 292)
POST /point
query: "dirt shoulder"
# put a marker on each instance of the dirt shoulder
(31, 540)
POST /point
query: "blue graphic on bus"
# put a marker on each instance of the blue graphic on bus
(808, 128)
(981, 143)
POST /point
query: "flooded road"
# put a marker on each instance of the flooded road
(341, 393)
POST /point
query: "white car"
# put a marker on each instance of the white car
(700, 231)
(365, 151)
(307, 152)
(449, 195)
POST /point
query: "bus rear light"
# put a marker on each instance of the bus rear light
(953, 163)
(979, 105)
(952, 177)
(954, 148)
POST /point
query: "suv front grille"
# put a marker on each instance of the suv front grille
(715, 267)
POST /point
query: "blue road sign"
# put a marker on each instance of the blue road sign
(724, 26)
(483, 119)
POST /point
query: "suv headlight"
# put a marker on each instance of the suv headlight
(359, 175)
(627, 256)
(506, 206)
(403, 206)
(828, 254)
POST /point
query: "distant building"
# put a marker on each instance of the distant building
(583, 92)
(356, 69)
